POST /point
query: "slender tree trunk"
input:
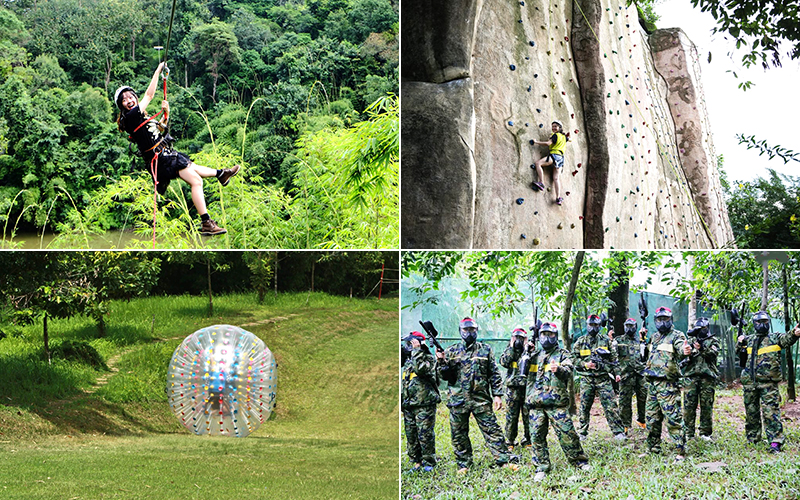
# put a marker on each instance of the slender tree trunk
(46, 338)
(765, 286)
(313, 268)
(576, 271)
(788, 322)
(619, 294)
(108, 72)
(276, 274)
(101, 325)
(133, 47)
(565, 333)
(210, 297)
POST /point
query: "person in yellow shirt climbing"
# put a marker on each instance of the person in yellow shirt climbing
(557, 144)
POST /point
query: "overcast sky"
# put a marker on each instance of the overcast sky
(770, 109)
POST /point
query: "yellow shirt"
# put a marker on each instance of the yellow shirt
(559, 141)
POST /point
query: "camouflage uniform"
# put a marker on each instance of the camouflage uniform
(419, 399)
(597, 381)
(664, 393)
(699, 377)
(548, 401)
(632, 382)
(762, 399)
(477, 381)
(515, 396)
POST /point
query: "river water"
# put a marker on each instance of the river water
(114, 239)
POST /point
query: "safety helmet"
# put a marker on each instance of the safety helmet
(418, 335)
(701, 323)
(468, 323)
(593, 319)
(118, 95)
(519, 332)
(663, 312)
(548, 328)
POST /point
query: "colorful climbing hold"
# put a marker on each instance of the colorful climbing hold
(520, 201)
(512, 67)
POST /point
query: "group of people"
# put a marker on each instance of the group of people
(670, 374)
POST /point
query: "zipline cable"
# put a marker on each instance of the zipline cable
(154, 161)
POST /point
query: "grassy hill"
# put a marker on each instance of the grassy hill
(71, 429)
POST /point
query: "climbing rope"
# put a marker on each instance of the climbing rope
(658, 143)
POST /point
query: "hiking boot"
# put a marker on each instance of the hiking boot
(227, 173)
(210, 228)
(539, 477)
(775, 448)
(559, 200)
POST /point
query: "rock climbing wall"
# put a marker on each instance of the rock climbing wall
(519, 78)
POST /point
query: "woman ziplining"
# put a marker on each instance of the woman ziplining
(163, 162)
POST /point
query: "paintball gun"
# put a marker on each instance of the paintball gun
(432, 334)
(738, 322)
(701, 332)
(525, 359)
(643, 315)
(601, 359)
(448, 374)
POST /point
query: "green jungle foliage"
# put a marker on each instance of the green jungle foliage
(300, 93)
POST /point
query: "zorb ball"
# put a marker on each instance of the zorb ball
(222, 380)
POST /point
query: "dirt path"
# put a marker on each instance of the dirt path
(103, 379)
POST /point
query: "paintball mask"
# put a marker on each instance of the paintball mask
(663, 319)
(630, 327)
(701, 326)
(548, 336)
(593, 324)
(468, 329)
(761, 322)
(520, 336)
(405, 347)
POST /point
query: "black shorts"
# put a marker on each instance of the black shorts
(170, 162)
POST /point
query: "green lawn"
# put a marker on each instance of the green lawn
(333, 435)
(624, 471)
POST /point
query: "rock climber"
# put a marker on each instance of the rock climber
(557, 144)
(156, 149)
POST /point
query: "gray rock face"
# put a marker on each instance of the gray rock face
(639, 171)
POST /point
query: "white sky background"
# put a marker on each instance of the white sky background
(770, 109)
